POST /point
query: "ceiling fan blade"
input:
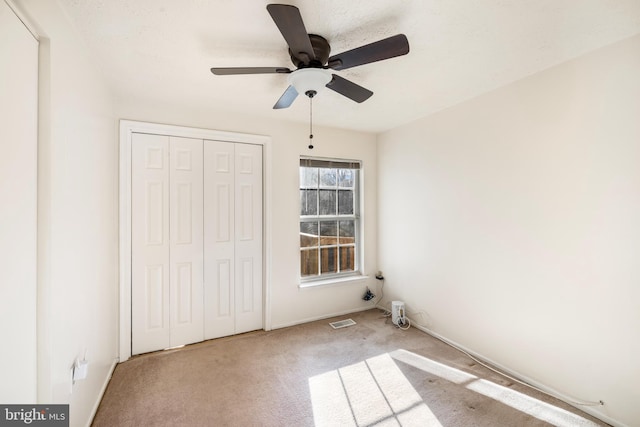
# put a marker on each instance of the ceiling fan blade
(248, 70)
(377, 51)
(349, 89)
(289, 22)
(287, 98)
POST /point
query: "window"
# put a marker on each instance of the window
(329, 218)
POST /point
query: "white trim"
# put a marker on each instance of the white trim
(101, 393)
(267, 232)
(188, 132)
(331, 278)
(125, 242)
(324, 316)
(563, 397)
(332, 281)
(127, 128)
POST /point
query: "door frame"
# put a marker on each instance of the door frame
(129, 127)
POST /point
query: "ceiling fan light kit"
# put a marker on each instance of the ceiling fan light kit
(310, 55)
(307, 80)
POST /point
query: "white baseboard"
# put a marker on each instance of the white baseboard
(102, 390)
(327, 316)
(568, 400)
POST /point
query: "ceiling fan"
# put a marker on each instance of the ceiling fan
(310, 55)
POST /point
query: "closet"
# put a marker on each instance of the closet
(196, 240)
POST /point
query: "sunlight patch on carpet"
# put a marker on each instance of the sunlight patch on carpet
(374, 391)
(527, 404)
(436, 368)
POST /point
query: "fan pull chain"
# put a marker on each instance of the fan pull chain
(310, 122)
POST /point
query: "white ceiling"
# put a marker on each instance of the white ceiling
(161, 50)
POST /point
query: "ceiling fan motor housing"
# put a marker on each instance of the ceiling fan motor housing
(321, 50)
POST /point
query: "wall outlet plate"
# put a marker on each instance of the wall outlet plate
(80, 370)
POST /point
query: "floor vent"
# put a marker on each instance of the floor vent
(342, 323)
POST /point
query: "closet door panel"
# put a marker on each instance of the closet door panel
(150, 324)
(248, 237)
(196, 240)
(219, 201)
(186, 240)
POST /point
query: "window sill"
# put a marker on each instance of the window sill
(331, 281)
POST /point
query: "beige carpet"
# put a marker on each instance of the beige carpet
(367, 374)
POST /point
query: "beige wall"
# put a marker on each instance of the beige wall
(77, 216)
(18, 208)
(511, 223)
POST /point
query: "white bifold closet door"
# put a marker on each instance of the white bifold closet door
(167, 241)
(232, 238)
(196, 242)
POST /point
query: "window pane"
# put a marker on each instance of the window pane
(328, 223)
(328, 177)
(345, 202)
(308, 234)
(308, 202)
(309, 177)
(309, 262)
(347, 258)
(329, 260)
(345, 178)
(328, 233)
(327, 202)
(347, 232)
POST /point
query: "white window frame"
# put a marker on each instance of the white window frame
(356, 217)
